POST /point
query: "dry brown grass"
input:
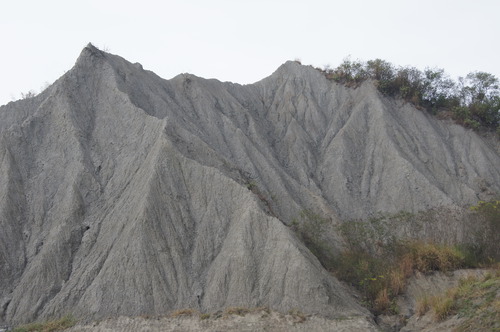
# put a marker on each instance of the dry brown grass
(382, 302)
(475, 299)
(381, 278)
(406, 265)
(240, 311)
(397, 281)
(442, 307)
(429, 257)
(422, 306)
(184, 313)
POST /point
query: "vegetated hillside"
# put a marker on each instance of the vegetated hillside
(473, 100)
(127, 194)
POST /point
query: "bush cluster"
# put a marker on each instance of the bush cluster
(381, 278)
(380, 270)
(473, 100)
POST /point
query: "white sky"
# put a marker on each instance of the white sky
(243, 41)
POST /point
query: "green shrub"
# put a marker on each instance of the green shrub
(472, 124)
(351, 73)
(429, 257)
(310, 228)
(489, 214)
(251, 185)
(490, 210)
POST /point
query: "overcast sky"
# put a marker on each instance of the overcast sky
(243, 41)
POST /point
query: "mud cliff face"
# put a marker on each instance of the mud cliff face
(123, 193)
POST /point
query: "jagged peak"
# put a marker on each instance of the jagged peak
(89, 52)
(91, 46)
(90, 49)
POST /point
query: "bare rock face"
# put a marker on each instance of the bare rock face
(126, 194)
(256, 321)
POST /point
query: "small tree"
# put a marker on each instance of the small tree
(474, 101)
(479, 92)
(437, 90)
(383, 73)
(349, 72)
(409, 84)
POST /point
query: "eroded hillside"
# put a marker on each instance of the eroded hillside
(127, 194)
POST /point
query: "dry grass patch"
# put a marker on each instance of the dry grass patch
(442, 307)
(397, 281)
(423, 305)
(429, 257)
(204, 316)
(48, 326)
(240, 311)
(383, 301)
(383, 277)
(184, 313)
(475, 300)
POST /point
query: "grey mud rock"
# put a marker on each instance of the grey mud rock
(251, 322)
(126, 194)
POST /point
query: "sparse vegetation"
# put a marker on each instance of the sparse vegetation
(298, 315)
(423, 305)
(443, 307)
(427, 257)
(489, 214)
(378, 264)
(184, 313)
(251, 185)
(473, 100)
(490, 211)
(477, 300)
(265, 311)
(48, 326)
(310, 227)
(381, 278)
(240, 311)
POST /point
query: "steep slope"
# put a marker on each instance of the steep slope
(126, 194)
(116, 220)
